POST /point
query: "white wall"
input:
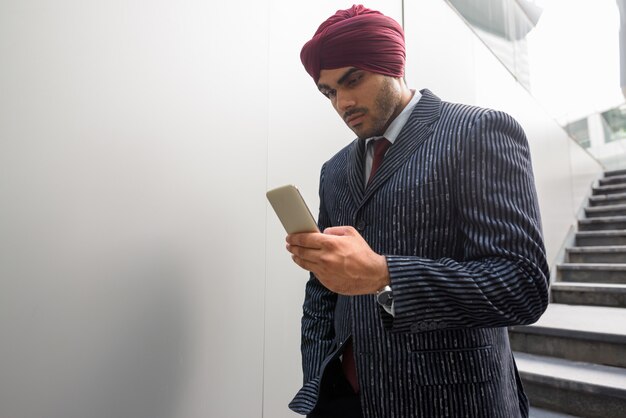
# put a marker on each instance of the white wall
(133, 142)
(141, 272)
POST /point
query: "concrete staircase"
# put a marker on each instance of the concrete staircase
(573, 360)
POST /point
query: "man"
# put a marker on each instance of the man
(425, 259)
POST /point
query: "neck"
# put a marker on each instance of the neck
(405, 97)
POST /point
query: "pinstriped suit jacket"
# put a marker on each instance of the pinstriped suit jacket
(454, 210)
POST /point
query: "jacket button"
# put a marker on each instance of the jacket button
(360, 225)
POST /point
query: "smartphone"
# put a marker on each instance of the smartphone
(291, 209)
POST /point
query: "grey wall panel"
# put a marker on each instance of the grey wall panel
(133, 137)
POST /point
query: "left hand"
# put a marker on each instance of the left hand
(340, 259)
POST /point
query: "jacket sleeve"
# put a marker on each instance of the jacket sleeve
(502, 278)
(318, 312)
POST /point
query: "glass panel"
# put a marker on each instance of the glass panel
(503, 26)
(567, 55)
(579, 130)
(615, 122)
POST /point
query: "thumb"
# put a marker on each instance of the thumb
(340, 231)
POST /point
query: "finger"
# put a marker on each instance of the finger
(294, 249)
(305, 264)
(340, 231)
(305, 239)
(308, 254)
(297, 260)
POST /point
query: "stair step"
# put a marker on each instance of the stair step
(607, 223)
(589, 294)
(612, 173)
(592, 272)
(604, 211)
(544, 413)
(607, 199)
(615, 254)
(615, 179)
(611, 189)
(580, 389)
(593, 334)
(600, 238)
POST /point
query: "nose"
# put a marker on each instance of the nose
(344, 101)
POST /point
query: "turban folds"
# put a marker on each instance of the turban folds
(356, 37)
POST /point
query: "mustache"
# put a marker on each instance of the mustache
(348, 114)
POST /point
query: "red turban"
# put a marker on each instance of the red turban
(356, 37)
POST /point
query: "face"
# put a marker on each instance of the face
(366, 101)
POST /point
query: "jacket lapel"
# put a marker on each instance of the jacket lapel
(414, 133)
(356, 162)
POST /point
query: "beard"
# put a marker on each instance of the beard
(386, 108)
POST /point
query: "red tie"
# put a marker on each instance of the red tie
(380, 148)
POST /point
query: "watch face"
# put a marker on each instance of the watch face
(385, 297)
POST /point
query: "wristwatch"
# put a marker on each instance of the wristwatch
(385, 297)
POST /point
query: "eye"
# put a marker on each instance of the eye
(352, 81)
(330, 93)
